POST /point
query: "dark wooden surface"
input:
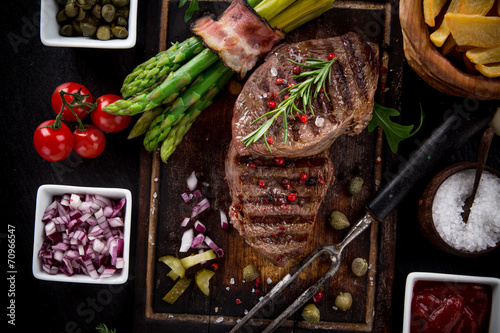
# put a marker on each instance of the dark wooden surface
(28, 75)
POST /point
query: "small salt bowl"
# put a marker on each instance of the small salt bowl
(439, 214)
(45, 196)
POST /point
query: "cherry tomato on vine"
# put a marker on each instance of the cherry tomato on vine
(105, 121)
(71, 88)
(52, 144)
(89, 143)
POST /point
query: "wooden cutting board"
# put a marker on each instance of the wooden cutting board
(203, 150)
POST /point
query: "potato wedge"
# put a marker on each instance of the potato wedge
(432, 8)
(475, 7)
(484, 56)
(474, 30)
(439, 36)
(489, 70)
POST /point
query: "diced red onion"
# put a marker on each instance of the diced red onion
(185, 222)
(197, 240)
(200, 227)
(197, 194)
(192, 182)
(187, 240)
(200, 207)
(83, 235)
(223, 220)
(186, 197)
(213, 246)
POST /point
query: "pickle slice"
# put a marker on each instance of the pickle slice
(177, 269)
(198, 258)
(202, 279)
(177, 290)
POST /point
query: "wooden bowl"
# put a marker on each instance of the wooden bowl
(427, 61)
(425, 210)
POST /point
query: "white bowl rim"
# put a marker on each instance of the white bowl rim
(46, 20)
(53, 189)
(493, 282)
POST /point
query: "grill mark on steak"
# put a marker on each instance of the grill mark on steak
(348, 110)
(275, 226)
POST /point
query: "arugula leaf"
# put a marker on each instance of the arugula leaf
(394, 133)
(193, 6)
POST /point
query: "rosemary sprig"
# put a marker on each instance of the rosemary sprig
(316, 74)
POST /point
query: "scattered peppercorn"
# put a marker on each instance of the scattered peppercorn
(303, 176)
(296, 70)
(318, 296)
(261, 183)
(238, 301)
(279, 81)
(331, 56)
(303, 118)
(270, 141)
(311, 181)
(355, 185)
(214, 266)
(252, 165)
(292, 197)
(272, 105)
(279, 160)
(338, 220)
(237, 207)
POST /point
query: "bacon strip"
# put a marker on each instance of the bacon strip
(240, 36)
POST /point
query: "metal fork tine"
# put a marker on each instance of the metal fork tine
(280, 286)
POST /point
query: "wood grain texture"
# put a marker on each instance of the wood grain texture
(432, 66)
(203, 150)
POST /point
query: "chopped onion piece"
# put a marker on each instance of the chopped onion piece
(185, 222)
(197, 194)
(187, 240)
(213, 246)
(200, 207)
(223, 220)
(186, 197)
(75, 201)
(192, 182)
(200, 227)
(197, 240)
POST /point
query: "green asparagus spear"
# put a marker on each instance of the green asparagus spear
(177, 133)
(142, 124)
(162, 64)
(161, 126)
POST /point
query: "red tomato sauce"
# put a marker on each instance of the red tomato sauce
(448, 307)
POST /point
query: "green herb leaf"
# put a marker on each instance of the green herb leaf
(193, 6)
(394, 133)
(102, 328)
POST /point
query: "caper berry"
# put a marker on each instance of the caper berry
(250, 272)
(96, 11)
(120, 3)
(338, 220)
(62, 2)
(105, 2)
(89, 26)
(359, 266)
(343, 301)
(310, 313)
(86, 4)
(66, 30)
(71, 8)
(77, 31)
(355, 185)
(119, 32)
(61, 17)
(121, 21)
(82, 14)
(104, 32)
(108, 12)
(123, 12)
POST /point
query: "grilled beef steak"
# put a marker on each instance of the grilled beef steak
(275, 200)
(351, 94)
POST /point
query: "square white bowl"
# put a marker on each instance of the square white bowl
(494, 283)
(45, 195)
(49, 30)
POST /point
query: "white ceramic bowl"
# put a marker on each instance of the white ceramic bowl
(45, 197)
(49, 30)
(494, 283)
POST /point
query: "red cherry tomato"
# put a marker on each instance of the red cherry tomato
(53, 144)
(90, 142)
(72, 88)
(105, 121)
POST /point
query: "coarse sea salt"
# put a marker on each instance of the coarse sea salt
(482, 230)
